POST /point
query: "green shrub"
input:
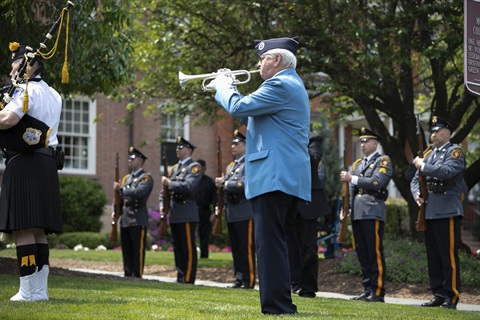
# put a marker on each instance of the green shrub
(406, 262)
(86, 239)
(82, 203)
(398, 220)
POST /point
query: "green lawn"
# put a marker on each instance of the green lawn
(215, 260)
(80, 298)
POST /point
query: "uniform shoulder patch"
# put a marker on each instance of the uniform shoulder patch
(457, 153)
(384, 162)
(146, 178)
(196, 169)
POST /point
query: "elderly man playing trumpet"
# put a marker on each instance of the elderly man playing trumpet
(277, 165)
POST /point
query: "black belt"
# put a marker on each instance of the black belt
(380, 194)
(46, 151)
(235, 198)
(439, 186)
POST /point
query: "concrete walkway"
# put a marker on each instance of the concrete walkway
(408, 302)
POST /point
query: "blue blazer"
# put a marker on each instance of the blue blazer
(277, 116)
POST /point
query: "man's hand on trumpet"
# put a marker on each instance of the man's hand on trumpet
(224, 79)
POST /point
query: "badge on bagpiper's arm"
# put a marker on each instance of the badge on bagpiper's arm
(456, 153)
(32, 136)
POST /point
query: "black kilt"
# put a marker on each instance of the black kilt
(30, 194)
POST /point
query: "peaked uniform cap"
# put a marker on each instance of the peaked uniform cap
(438, 123)
(238, 136)
(134, 153)
(367, 134)
(183, 142)
(290, 44)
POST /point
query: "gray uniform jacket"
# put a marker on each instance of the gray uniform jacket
(134, 195)
(444, 176)
(369, 195)
(238, 207)
(183, 186)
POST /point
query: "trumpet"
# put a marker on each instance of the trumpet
(183, 78)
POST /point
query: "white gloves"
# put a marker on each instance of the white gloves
(223, 79)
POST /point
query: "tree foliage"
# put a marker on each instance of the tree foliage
(385, 58)
(99, 47)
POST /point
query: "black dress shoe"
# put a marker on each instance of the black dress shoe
(435, 302)
(448, 304)
(307, 294)
(236, 285)
(362, 296)
(373, 298)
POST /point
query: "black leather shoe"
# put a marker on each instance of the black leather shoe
(362, 296)
(307, 294)
(236, 285)
(435, 302)
(448, 304)
(245, 285)
(373, 298)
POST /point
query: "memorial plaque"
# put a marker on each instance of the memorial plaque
(472, 45)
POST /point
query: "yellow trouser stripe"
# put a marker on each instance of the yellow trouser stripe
(452, 259)
(251, 267)
(379, 259)
(189, 250)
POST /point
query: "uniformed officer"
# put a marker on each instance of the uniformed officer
(135, 189)
(443, 166)
(368, 192)
(206, 196)
(239, 216)
(302, 238)
(183, 184)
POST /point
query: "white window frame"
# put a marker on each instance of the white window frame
(91, 136)
(180, 126)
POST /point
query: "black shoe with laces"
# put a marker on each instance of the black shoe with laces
(435, 302)
(449, 304)
(373, 298)
(361, 296)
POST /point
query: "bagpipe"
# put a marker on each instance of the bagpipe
(30, 133)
